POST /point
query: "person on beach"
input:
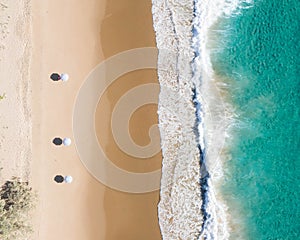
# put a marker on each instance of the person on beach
(58, 141)
(56, 77)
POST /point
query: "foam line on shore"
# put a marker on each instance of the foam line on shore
(194, 120)
(218, 114)
(180, 205)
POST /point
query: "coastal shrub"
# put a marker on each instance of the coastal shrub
(17, 199)
(2, 96)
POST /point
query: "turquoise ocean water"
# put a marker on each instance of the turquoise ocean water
(258, 58)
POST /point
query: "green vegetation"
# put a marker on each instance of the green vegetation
(17, 199)
(2, 96)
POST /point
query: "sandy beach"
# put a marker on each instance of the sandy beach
(73, 37)
(15, 90)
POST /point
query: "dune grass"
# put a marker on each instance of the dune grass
(2, 96)
(17, 199)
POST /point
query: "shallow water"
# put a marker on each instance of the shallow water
(248, 130)
(256, 56)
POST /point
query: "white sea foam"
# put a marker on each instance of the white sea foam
(180, 205)
(218, 115)
(216, 120)
(181, 30)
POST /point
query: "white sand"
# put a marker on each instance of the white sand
(15, 107)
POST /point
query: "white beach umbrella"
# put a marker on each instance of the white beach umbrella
(64, 77)
(67, 141)
(68, 179)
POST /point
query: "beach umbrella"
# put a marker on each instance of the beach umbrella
(64, 77)
(55, 76)
(68, 179)
(59, 178)
(57, 141)
(67, 141)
